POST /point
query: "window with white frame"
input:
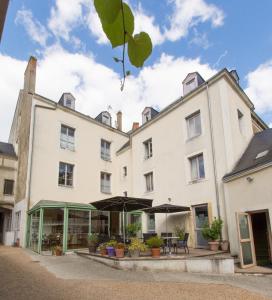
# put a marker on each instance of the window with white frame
(66, 174)
(105, 182)
(151, 227)
(67, 138)
(149, 182)
(105, 150)
(197, 167)
(194, 125)
(148, 148)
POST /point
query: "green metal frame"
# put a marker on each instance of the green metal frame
(49, 205)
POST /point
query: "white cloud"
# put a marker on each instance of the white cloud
(200, 39)
(36, 31)
(157, 85)
(189, 13)
(259, 87)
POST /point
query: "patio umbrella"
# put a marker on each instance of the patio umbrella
(122, 204)
(166, 208)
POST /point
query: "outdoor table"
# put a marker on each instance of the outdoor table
(169, 238)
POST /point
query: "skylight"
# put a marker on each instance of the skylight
(262, 154)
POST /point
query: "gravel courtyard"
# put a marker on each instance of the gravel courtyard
(25, 275)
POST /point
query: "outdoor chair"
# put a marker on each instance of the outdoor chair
(165, 244)
(146, 236)
(182, 243)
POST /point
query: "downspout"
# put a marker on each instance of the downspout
(213, 153)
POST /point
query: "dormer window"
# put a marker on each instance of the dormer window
(148, 114)
(106, 119)
(68, 100)
(191, 82)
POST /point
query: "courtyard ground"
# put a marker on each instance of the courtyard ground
(25, 275)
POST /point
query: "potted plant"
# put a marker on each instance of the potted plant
(93, 242)
(212, 233)
(133, 228)
(224, 244)
(155, 244)
(136, 246)
(102, 249)
(57, 250)
(110, 246)
(179, 233)
(120, 250)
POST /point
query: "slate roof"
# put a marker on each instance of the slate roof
(7, 149)
(261, 142)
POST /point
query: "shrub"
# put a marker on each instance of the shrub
(133, 228)
(154, 242)
(111, 243)
(137, 245)
(212, 232)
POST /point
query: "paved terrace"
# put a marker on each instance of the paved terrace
(25, 275)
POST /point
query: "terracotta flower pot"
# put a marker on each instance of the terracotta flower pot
(103, 252)
(224, 245)
(214, 246)
(156, 252)
(119, 253)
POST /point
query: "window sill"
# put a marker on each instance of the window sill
(107, 193)
(105, 159)
(148, 192)
(197, 181)
(193, 138)
(66, 186)
(67, 149)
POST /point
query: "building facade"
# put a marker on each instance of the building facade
(66, 160)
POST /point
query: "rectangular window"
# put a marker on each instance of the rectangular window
(149, 182)
(105, 150)
(124, 171)
(197, 167)
(105, 183)
(8, 187)
(193, 125)
(148, 148)
(66, 174)
(67, 138)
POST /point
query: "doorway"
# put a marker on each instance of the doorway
(261, 237)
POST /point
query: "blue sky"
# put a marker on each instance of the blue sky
(188, 35)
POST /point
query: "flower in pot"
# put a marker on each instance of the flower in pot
(120, 250)
(110, 246)
(136, 246)
(58, 250)
(102, 249)
(93, 242)
(211, 232)
(133, 228)
(155, 244)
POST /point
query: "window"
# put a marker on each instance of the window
(105, 183)
(193, 125)
(106, 119)
(105, 150)
(124, 171)
(66, 174)
(240, 120)
(190, 81)
(151, 222)
(197, 167)
(8, 187)
(148, 148)
(67, 138)
(149, 182)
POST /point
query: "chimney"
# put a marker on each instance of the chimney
(135, 126)
(30, 75)
(119, 120)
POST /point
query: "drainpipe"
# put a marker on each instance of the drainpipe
(213, 154)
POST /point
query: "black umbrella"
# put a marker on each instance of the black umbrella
(166, 208)
(122, 204)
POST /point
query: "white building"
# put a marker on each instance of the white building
(67, 160)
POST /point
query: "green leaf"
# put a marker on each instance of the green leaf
(107, 10)
(115, 31)
(139, 48)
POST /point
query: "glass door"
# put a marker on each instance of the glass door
(201, 218)
(247, 251)
(34, 231)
